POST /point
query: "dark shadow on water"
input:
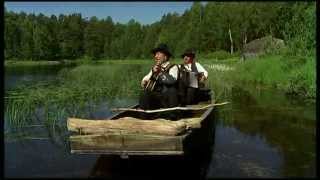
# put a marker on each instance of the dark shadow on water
(146, 167)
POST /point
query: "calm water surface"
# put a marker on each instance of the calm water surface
(261, 133)
(29, 75)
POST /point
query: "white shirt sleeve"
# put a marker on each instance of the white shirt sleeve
(174, 72)
(148, 76)
(201, 69)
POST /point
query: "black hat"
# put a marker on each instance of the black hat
(162, 48)
(189, 53)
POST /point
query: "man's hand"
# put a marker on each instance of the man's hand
(156, 69)
(201, 77)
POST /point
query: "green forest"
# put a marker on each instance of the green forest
(210, 27)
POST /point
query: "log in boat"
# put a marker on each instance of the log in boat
(134, 131)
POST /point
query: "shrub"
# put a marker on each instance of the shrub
(220, 54)
(302, 80)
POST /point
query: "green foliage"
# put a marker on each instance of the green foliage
(299, 30)
(302, 80)
(274, 71)
(12, 33)
(263, 71)
(105, 79)
(70, 35)
(149, 41)
(85, 60)
(207, 28)
(220, 55)
(94, 38)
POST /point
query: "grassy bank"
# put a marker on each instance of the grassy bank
(295, 76)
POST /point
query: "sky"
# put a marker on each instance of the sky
(122, 12)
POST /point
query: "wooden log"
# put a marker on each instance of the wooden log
(117, 142)
(132, 125)
(192, 123)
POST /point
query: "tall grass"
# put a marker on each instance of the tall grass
(292, 75)
(302, 80)
(220, 84)
(107, 80)
(75, 89)
(261, 71)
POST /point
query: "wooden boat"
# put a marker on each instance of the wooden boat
(138, 132)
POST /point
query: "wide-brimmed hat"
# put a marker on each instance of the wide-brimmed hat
(189, 52)
(162, 48)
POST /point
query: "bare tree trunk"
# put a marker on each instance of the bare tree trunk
(231, 42)
(245, 39)
(244, 42)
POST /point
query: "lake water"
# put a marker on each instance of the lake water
(261, 133)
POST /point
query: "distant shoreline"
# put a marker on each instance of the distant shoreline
(35, 63)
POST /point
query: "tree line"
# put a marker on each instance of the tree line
(206, 27)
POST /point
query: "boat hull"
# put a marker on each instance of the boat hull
(194, 139)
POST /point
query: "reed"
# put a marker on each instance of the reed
(290, 74)
(72, 94)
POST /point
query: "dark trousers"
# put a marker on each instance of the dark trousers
(159, 99)
(191, 95)
(187, 95)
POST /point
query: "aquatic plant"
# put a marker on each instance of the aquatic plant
(72, 94)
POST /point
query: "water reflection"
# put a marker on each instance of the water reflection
(29, 75)
(239, 155)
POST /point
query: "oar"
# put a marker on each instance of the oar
(169, 109)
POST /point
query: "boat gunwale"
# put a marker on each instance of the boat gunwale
(119, 113)
(126, 152)
(202, 117)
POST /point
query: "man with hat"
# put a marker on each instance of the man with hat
(160, 87)
(193, 76)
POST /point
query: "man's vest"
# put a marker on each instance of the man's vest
(203, 94)
(184, 74)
